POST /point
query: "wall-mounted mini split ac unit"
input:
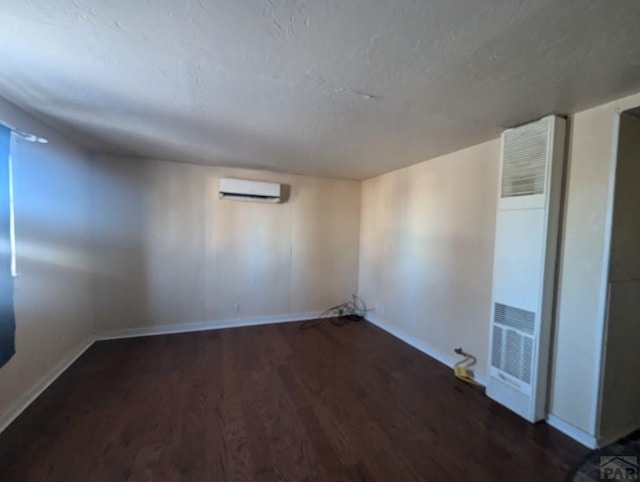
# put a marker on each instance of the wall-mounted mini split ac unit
(524, 265)
(243, 190)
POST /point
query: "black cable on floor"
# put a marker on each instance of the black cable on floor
(340, 315)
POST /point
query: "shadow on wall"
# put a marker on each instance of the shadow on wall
(7, 315)
(557, 281)
(119, 225)
(169, 251)
(427, 242)
(53, 290)
(285, 193)
(49, 232)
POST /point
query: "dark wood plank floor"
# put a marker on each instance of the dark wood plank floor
(273, 403)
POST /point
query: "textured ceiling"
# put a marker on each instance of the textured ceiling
(349, 88)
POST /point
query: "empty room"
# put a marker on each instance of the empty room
(287, 240)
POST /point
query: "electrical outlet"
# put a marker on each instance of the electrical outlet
(379, 308)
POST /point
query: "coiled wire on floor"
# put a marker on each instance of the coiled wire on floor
(350, 312)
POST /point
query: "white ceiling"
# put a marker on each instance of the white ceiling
(344, 88)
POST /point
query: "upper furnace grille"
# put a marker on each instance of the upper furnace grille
(525, 159)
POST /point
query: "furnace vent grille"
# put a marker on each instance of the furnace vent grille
(525, 159)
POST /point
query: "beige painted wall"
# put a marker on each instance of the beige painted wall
(426, 255)
(53, 296)
(575, 377)
(620, 388)
(426, 252)
(168, 251)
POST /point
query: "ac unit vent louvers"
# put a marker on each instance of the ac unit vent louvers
(512, 350)
(509, 316)
(245, 190)
(525, 159)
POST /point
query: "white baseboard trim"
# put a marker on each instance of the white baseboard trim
(205, 326)
(449, 360)
(572, 431)
(41, 385)
(445, 359)
(36, 390)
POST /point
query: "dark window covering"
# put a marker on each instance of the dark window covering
(7, 315)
